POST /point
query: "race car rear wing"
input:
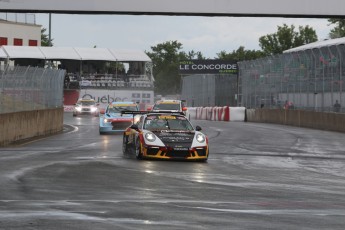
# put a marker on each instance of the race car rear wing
(147, 112)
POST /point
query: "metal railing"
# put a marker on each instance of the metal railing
(309, 79)
(19, 17)
(30, 88)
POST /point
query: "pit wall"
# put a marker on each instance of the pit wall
(20, 126)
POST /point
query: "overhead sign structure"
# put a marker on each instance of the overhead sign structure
(289, 8)
(207, 67)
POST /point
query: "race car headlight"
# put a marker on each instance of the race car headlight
(78, 109)
(150, 137)
(106, 120)
(200, 138)
(93, 109)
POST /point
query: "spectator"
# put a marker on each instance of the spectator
(288, 105)
(67, 81)
(337, 106)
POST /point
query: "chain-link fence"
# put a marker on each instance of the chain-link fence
(309, 79)
(209, 89)
(30, 88)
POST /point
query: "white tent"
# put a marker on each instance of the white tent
(72, 53)
(130, 55)
(23, 52)
(95, 54)
(59, 53)
(3, 55)
(319, 44)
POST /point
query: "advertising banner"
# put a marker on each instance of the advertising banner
(207, 67)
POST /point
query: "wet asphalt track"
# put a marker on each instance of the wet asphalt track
(258, 176)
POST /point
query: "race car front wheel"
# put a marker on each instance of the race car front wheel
(124, 145)
(137, 149)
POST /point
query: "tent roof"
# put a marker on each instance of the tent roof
(319, 44)
(72, 53)
(59, 53)
(100, 54)
(3, 54)
(130, 55)
(23, 52)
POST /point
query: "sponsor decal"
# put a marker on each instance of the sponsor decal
(167, 117)
(208, 67)
(105, 99)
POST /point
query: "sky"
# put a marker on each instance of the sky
(209, 35)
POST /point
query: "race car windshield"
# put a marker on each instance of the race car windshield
(119, 109)
(167, 107)
(87, 103)
(167, 123)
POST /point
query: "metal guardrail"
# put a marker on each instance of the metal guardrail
(30, 88)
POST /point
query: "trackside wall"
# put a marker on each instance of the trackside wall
(218, 113)
(19, 126)
(301, 118)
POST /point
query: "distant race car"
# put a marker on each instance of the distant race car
(85, 106)
(169, 105)
(113, 121)
(165, 136)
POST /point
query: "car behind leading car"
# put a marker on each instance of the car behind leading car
(85, 107)
(113, 121)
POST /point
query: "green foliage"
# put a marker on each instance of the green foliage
(286, 38)
(339, 30)
(166, 58)
(45, 38)
(240, 54)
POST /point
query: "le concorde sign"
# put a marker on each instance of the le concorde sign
(207, 67)
(289, 8)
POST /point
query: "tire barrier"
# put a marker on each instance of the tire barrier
(222, 113)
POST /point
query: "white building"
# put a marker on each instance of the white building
(19, 30)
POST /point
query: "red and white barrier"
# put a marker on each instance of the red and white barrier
(223, 113)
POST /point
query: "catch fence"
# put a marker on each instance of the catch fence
(310, 79)
(30, 88)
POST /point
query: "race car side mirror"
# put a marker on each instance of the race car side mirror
(198, 128)
(134, 126)
(184, 109)
(102, 111)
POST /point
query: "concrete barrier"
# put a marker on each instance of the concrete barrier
(300, 118)
(25, 125)
(223, 113)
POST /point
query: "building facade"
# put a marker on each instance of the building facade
(17, 32)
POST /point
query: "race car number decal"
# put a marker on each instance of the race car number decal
(167, 117)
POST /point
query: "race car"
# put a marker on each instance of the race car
(169, 105)
(113, 121)
(165, 136)
(85, 106)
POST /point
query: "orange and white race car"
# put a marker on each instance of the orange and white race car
(164, 135)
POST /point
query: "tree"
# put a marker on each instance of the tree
(45, 38)
(240, 54)
(166, 58)
(339, 30)
(286, 38)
